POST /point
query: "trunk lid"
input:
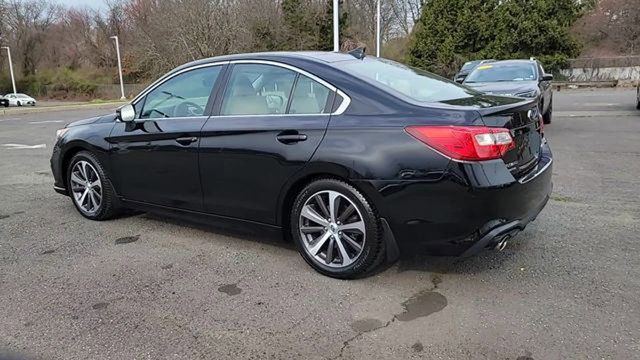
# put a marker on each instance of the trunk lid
(523, 121)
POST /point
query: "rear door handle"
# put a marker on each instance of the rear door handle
(186, 140)
(291, 138)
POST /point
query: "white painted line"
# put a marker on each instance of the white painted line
(21, 146)
(9, 119)
(46, 122)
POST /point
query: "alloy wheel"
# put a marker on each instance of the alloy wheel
(86, 187)
(332, 229)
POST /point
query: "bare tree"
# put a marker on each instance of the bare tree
(29, 22)
(406, 14)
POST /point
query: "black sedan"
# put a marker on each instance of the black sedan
(524, 78)
(353, 158)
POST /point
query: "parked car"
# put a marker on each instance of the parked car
(353, 158)
(20, 100)
(4, 101)
(467, 68)
(522, 78)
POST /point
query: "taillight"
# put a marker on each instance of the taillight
(471, 143)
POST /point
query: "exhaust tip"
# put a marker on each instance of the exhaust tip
(502, 243)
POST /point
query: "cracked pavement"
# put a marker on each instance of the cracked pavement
(145, 286)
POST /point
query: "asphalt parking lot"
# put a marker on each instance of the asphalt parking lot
(143, 286)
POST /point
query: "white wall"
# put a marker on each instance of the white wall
(602, 74)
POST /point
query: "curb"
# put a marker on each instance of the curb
(36, 110)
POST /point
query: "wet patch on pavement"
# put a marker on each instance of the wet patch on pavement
(417, 347)
(366, 325)
(230, 289)
(127, 239)
(561, 198)
(526, 356)
(166, 267)
(3, 216)
(422, 304)
(50, 251)
(100, 306)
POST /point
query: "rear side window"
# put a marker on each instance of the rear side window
(258, 89)
(309, 97)
(407, 81)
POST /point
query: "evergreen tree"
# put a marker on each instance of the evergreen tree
(452, 31)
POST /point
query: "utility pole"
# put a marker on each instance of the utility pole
(378, 30)
(336, 25)
(122, 97)
(13, 80)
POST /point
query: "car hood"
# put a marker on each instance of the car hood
(507, 88)
(103, 118)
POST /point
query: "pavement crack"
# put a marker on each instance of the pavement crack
(359, 335)
(435, 281)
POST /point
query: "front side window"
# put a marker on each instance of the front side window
(258, 89)
(185, 95)
(309, 97)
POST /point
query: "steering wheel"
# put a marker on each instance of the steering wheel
(187, 108)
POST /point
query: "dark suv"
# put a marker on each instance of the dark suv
(520, 78)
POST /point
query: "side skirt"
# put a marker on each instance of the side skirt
(213, 222)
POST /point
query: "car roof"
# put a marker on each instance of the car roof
(517, 61)
(319, 56)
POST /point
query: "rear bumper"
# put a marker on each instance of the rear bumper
(491, 238)
(468, 209)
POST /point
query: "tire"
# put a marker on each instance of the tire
(638, 98)
(546, 117)
(354, 252)
(102, 193)
(19, 104)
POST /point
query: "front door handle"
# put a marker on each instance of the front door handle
(289, 138)
(186, 140)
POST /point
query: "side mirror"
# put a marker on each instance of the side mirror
(547, 77)
(126, 113)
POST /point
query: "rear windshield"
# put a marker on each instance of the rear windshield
(502, 72)
(414, 83)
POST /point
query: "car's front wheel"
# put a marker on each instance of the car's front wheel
(90, 187)
(19, 103)
(336, 229)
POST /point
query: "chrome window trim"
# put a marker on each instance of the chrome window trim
(346, 100)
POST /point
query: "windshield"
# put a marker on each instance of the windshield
(502, 72)
(414, 83)
(470, 65)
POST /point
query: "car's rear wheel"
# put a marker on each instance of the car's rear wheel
(19, 103)
(90, 188)
(546, 117)
(638, 98)
(336, 229)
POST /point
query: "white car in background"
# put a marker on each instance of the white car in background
(20, 100)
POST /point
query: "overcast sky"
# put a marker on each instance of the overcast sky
(93, 4)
